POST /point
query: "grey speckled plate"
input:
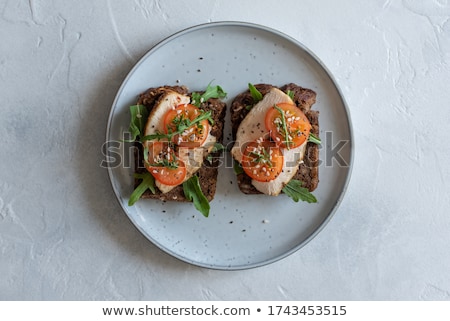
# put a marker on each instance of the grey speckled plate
(242, 231)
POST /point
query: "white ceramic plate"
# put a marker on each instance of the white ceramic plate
(242, 231)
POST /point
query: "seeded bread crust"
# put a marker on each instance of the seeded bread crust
(304, 98)
(208, 172)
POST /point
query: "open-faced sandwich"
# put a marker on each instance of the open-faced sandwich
(178, 137)
(276, 141)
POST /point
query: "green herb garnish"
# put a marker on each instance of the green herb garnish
(290, 93)
(314, 139)
(295, 190)
(262, 157)
(181, 126)
(210, 92)
(288, 140)
(171, 164)
(193, 193)
(148, 182)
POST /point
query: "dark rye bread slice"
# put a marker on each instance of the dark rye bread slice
(304, 98)
(208, 172)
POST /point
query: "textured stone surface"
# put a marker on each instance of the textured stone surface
(63, 235)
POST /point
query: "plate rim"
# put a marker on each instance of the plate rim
(231, 23)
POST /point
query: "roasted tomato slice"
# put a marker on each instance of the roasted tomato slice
(288, 125)
(262, 160)
(164, 165)
(192, 136)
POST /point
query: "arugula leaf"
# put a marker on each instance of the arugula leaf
(193, 193)
(314, 139)
(213, 92)
(139, 115)
(295, 190)
(148, 182)
(237, 167)
(210, 92)
(196, 99)
(256, 95)
(145, 154)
